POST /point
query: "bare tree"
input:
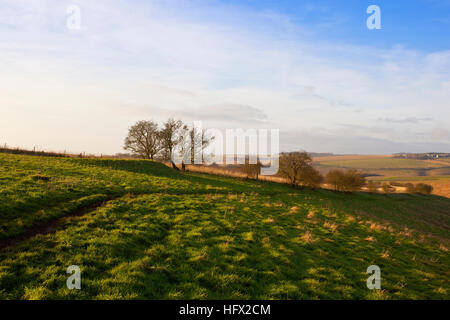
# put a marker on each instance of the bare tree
(388, 188)
(252, 170)
(335, 178)
(185, 145)
(191, 143)
(372, 186)
(423, 188)
(310, 177)
(293, 166)
(143, 139)
(205, 141)
(170, 138)
(348, 181)
(354, 180)
(195, 143)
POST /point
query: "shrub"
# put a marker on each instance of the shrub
(410, 188)
(372, 187)
(310, 177)
(353, 180)
(397, 184)
(252, 170)
(424, 188)
(349, 181)
(297, 168)
(388, 188)
(334, 178)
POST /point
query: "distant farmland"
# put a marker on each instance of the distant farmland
(386, 168)
(383, 163)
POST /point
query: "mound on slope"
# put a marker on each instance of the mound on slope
(162, 234)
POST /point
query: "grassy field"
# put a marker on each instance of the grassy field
(382, 163)
(139, 230)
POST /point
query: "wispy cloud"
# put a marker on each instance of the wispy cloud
(405, 120)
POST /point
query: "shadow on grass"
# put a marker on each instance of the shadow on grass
(158, 169)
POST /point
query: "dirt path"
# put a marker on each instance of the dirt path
(51, 226)
(60, 223)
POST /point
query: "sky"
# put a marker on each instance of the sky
(311, 69)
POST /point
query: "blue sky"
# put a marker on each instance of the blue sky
(309, 68)
(421, 24)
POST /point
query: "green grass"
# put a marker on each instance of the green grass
(166, 235)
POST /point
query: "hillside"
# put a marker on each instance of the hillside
(139, 230)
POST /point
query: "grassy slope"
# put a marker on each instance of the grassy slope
(172, 235)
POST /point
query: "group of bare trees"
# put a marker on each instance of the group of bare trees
(173, 138)
(148, 140)
(390, 187)
(420, 188)
(297, 168)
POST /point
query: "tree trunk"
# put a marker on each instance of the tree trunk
(174, 166)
